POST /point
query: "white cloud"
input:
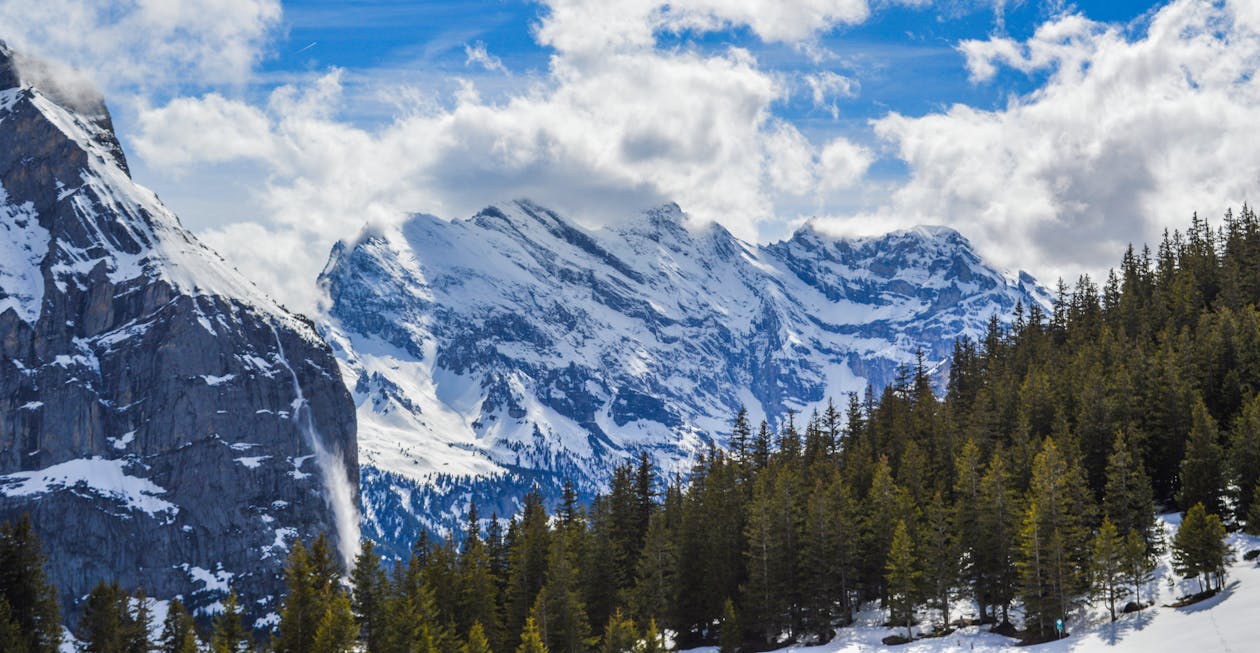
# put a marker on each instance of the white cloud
(599, 137)
(1129, 135)
(477, 54)
(587, 27)
(144, 44)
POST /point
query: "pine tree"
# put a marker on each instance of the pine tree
(996, 577)
(11, 636)
(337, 631)
(1202, 469)
(531, 639)
(24, 586)
(1052, 541)
(1106, 569)
(476, 642)
(179, 631)
(654, 586)
(730, 637)
(559, 610)
(619, 634)
(1244, 456)
(653, 641)
(369, 587)
(230, 635)
(477, 601)
(137, 624)
(103, 625)
(528, 561)
(1139, 564)
(1253, 515)
(940, 559)
(902, 575)
(302, 608)
(1128, 498)
(1199, 548)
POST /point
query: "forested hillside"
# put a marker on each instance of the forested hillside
(1029, 489)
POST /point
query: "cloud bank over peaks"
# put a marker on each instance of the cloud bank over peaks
(598, 137)
(1129, 134)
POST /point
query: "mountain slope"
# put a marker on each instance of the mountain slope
(164, 422)
(515, 347)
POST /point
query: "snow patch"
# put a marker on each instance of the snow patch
(23, 245)
(98, 476)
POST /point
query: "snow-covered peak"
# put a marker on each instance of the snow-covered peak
(518, 342)
(92, 215)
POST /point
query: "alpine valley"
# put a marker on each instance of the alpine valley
(167, 424)
(517, 348)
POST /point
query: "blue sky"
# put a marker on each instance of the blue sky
(1050, 133)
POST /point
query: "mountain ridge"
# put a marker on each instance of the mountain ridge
(518, 343)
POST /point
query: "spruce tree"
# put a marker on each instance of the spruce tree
(337, 630)
(996, 549)
(369, 586)
(1199, 548)
(654, 586)
(559, 610)
(137, 624)
(730, 637)
(1202, 470)
(1139, 564)
(1128, 498)
(102, 628)
(303, 607)
(179, 631)
(1106, 570)
(1244, 456)
(1053, 551)
(940, 558)
(619, 635)
(1253, 515)
(24, 586)
(902, 575)
(11, 636)
(230, 635)
(477, 641)
(531, 639)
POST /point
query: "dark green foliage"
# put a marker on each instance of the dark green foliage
(179, 631)
(1199, 549)
(31, 600)
(1033, 481)
(230, 634)
(903, 579)
(1203, 468)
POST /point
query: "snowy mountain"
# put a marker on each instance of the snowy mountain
(164, 422)
(517, 347)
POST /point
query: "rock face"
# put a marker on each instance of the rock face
(164, 423)
(516, 347)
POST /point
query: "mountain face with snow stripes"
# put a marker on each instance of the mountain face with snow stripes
(163, 421)
(518, 348)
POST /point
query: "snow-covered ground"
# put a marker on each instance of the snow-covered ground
(1228, 622)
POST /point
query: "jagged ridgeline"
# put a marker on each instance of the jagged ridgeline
(1029, 488)
(164, 423)
(518, 348)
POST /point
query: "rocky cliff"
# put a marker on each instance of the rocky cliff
(164, 423)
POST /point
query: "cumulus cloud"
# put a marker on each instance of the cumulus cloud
(599, 137)
(1128, 135)
(144, 44)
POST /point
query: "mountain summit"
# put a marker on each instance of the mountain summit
(516, 347)
(164, 422)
